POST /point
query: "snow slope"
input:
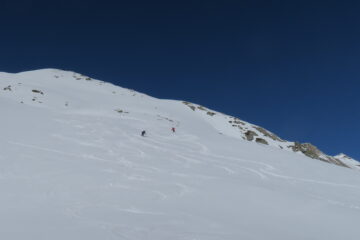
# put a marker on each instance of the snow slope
(349, 161)
(74, 166)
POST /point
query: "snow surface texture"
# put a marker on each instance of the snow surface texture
(74, 166)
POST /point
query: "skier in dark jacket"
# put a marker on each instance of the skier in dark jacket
(173, 130)
(143, 133)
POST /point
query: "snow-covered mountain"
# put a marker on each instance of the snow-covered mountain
(74, 166)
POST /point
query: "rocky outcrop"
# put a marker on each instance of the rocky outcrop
(313, 152)
(337, 162)
(262, 141)
(250, 135)
(269, 134)
(307, 149)
(254, 133)
(190, 105)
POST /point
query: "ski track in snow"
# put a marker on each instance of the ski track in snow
(309, 180)
(51, 150)
(263, 173)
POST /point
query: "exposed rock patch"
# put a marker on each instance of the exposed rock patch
(262, 141)
(250, 135)
(190, 105)
(313, 152)
(308, 150)
(269, 134)
(37, 91)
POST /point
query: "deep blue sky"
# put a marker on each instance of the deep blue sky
(289, 66)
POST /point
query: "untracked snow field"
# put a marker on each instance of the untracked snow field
(74, 166)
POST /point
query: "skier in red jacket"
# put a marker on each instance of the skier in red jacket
(173, 130)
